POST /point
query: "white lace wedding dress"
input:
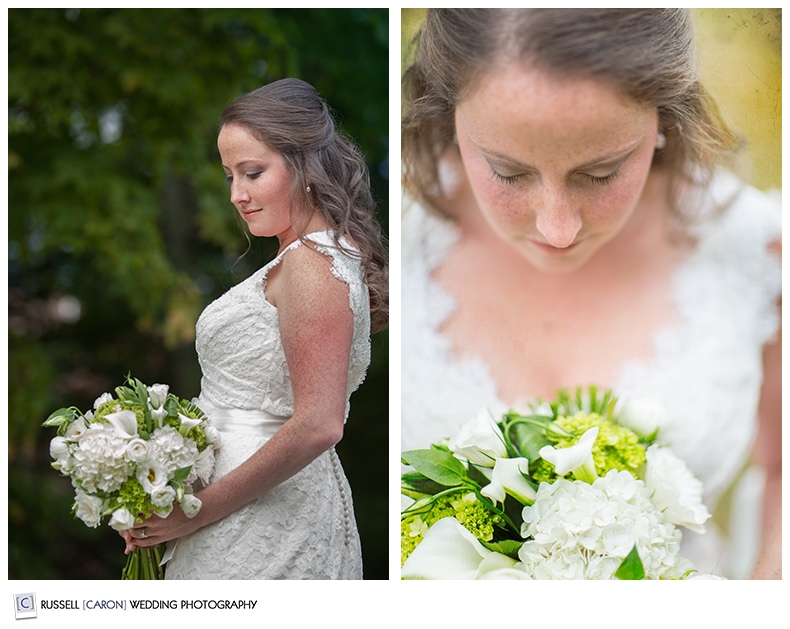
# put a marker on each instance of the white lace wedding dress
(305, 527)
(706, 369)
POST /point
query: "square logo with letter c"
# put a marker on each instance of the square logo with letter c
(25, 605)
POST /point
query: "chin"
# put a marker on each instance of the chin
(558, 264)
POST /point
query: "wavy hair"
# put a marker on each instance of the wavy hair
(291, 118)
(648, 54)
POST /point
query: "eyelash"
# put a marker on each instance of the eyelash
(595, 181)
(253, 175)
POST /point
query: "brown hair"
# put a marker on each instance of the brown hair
(291, 118)
(646, 53)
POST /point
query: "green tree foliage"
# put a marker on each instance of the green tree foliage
(121, 231)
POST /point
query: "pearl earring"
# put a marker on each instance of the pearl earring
(661, 141)
(308, 188)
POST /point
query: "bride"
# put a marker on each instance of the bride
(567, 223)
(282, 352)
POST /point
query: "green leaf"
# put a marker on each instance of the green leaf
(437, 465)
(632, 568)
(414, 482)
(181, 473)
(527, 434)
(509, 547)
(60, 417)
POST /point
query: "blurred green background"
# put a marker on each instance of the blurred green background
(121, 231)
(740, 63)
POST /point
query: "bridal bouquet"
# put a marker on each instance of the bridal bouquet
(134, 455)
(577, 488)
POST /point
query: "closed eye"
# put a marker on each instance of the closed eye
(508, 179)
(601, 181)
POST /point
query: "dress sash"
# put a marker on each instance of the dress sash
(242, 421)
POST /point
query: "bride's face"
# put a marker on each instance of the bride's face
(556, 166)
(260, 182)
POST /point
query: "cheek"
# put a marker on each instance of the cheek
(615, 204)
(501, 203)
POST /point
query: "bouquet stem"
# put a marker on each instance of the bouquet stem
(143, 564)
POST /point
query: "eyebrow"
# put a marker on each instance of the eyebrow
(242, 163)
(614, 158)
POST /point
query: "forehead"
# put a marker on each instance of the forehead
(513, 102)
(237, 141)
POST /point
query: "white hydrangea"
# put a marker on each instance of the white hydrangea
(98, 461)
(576, 530)
(174, 452)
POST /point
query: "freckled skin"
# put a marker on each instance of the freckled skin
(552, 134)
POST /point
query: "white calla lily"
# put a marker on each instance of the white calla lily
(449, 551)
(124, 422)
(187, 423)
(158, 415)
(479, 439)
(577, 458)
(507, 478)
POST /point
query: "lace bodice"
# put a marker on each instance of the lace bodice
(239, 345)
(304, 528)
(705, 369)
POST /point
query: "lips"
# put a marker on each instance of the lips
(550, 249)
(246, 213)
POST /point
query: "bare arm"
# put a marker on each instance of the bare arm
(316, 327)
(768, 455)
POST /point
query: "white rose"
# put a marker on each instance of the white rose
(190, 505)
(163, 496)
(122, 519)
(89, 508)
(480, 440)
(137, 450)
(642, 415)
(157, 395)
(59, 450)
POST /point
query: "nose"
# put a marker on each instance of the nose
(557, 220)
(238, 193)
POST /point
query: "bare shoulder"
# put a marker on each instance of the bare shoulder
(303, 280)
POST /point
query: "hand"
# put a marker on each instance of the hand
(156, 530)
